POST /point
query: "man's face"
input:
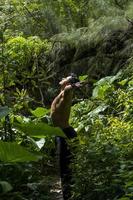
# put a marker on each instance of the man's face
(65, 81)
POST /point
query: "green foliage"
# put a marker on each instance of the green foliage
(5, 186)
(82, 78)
(104, 85)
(46, 18)
(39, 112)
(103, 160)
(25, 127)
(4, 111)
(24, 149)
(27, 180)
(129, 13)
(24, 71)
(21, 50)
(13, 152)
(88, 37)
(38, 129)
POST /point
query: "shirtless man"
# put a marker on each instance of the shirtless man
(60, 112)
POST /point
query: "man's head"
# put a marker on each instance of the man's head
(70, 80)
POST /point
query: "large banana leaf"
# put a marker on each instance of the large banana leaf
(13, 152)
(39, 129)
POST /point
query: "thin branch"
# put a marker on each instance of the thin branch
(39, 86)
(31, 15)
(130, 21)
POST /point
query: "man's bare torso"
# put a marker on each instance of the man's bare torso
(61, 106)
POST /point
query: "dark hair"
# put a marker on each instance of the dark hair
(73, 78)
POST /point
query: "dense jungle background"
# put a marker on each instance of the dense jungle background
(40, 42)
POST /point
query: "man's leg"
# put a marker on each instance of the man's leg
(65, 157)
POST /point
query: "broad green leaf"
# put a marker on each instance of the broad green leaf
(39, 112)
(129, 184)
(130, 83)
(6, 187)
(97, 110)
(99, 91)
(13, 152)
(39, 129)
(123, 82)
(19, 118)
(108, 79)
(4, 111)
(103, 85)
(82, 78)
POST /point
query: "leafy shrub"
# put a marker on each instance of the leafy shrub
(28, 155)
(103, 158)
(21, 50)
(25, 70)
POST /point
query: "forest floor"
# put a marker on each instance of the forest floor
(55, 187)
(56, 192)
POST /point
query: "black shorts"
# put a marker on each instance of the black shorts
(70, 132)
(63, 150)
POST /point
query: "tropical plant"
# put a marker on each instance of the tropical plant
(103, 160)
